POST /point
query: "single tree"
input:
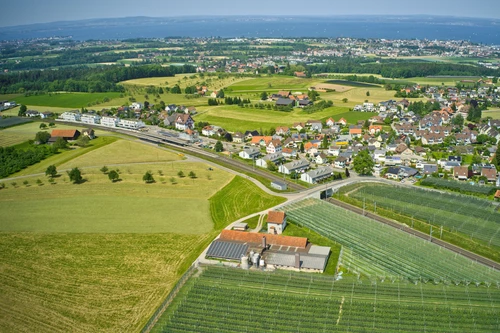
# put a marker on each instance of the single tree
(271, 166)
(345, 100)
(113, 176)
(347, 174)
(363, 163)
(42, 137)
(264, 96)
(75, 176)
(218, 147)
(51, 171)
(52, 124)
(192, 175)
(26, 183)
(180, 174)
(14, 184)
(43, 126)
(39, 182)
(104, 169)
(22, 110)
(82, 141)
(367, 93)
(302, 147)
(148, 177)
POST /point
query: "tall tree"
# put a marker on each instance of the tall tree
(42, 137)
(51, 171)
(148, 177)
(363, 163)
(113, 176)
(218, 146)
(75, 175)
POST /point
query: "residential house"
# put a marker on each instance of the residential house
(208, 130)
(299, 126)
(46, 114)
(281, 130)
(375, 129)
(289, 153)
(342, 122)
(379, 155)
(321, 159)
(184, 122)
(263, 162)
(274, 146)
(294, 166)
(276, 222)
(238, 137)
(32, 113)
(88, 132)
(334, 150)
(330, 122)
(249, 153)
(316, 175)
(450, 165)
(250, 134)
(189, 135)
(355, 132)
(490, 174)
(462, 173)
(316, 125)
(262, 141)
(430, 169)
(340, 162)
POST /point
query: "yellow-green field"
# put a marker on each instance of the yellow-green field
(102, 256)
(493, 113)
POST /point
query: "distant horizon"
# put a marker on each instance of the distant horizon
(392, 16)
(25, 12)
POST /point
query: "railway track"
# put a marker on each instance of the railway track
(405, 228)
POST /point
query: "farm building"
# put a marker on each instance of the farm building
(276, 222)
(269, 250)
(284, 102)
(89, 132)
(65, 134)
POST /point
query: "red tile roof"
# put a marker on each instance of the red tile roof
(64, 133)
(275, 217)
(251, 237)
(497, 194)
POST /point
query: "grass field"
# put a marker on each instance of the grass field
(297, 302)
(66, 100)
(495, 114)
(239, 199)
(235, 118)
(88, 282)
(18, 134)
(9, 122)
(273, 84)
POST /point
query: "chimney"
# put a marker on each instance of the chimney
(264, 244)
(297, 260)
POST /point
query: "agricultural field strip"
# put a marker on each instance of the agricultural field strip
(385, 248)
(208, 304)
(472, 216)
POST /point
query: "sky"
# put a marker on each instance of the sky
(20, 12)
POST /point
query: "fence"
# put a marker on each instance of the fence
(154, 318)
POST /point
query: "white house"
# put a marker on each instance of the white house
(136, 106)
(316, 175)
(70, 116)
(276, 222)
(249, 153)
(90, 118)
(183, 121)
(208, 131)
(275, 158)
(130, 123)
(321, 159)
(109, 121)
(274, 147)
(334, 150)
(297, 166)
(46, 114)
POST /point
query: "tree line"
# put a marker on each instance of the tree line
(13, 160)
(84, 79)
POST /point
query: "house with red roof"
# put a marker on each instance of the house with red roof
(276, 222)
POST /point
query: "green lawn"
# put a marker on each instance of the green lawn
(66, 100)
(240, 198)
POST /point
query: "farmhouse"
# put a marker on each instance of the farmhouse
(65, 134)
(276, 222)
(316, 175)
(88, 132)
(284, 102)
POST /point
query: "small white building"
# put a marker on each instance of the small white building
(70, 116)
(249, 153)
(109, 121)
(276, 222)
(263, 162)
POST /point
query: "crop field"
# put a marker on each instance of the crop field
(234, 300)
(235, 118)
(8, 122)
(273, 84)
(88, 282)
(183, 81)
(19, 134)
(66, 100)
(378, 250)
(354, 83)
(474, 217)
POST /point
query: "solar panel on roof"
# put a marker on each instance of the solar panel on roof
(227, 250)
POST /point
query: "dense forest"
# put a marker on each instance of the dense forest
(83, 79)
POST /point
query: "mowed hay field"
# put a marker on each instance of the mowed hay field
(66, 100)
(88, 282)
(102, 256)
